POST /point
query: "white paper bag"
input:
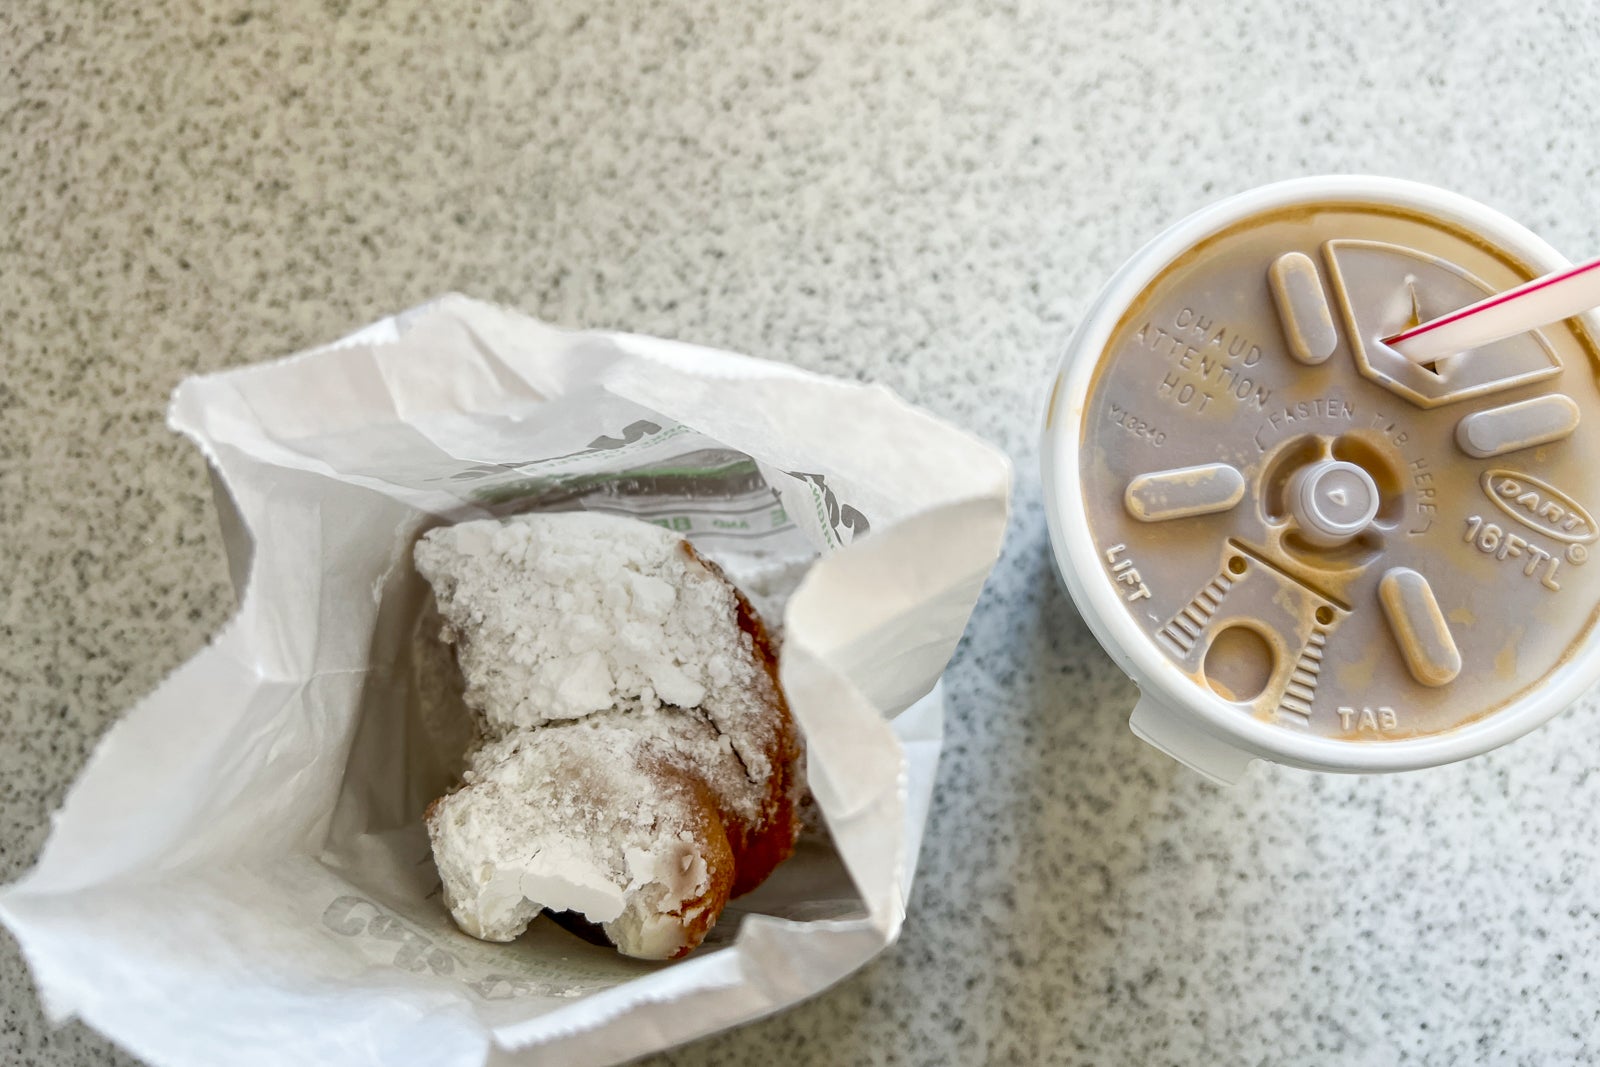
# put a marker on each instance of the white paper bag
(241, 875)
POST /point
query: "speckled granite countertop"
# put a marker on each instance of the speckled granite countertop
(924, 194)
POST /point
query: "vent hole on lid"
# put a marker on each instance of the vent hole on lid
(1239, 664)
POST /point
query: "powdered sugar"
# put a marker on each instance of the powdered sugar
(615, 676)
(559, 616)
(578, 817)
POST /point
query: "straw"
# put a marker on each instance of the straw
(1527, 307)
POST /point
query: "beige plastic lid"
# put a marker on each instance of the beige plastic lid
(1301, 545)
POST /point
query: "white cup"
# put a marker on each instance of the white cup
(1187, 721)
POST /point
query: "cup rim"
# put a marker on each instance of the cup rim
(1157, 676)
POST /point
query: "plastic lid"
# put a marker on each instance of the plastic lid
(1319, 535)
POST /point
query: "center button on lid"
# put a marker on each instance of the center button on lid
(1332, 501)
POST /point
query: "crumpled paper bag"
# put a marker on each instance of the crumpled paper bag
(241, 876)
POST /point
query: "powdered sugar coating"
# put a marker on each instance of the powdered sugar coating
(595, 817)
(558, 616)
(632, 731)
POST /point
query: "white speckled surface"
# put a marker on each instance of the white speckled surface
(925, 194)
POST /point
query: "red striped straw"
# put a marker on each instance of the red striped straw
(1527, 307)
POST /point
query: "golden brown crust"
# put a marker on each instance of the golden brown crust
(698, 915)
(759, 846)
